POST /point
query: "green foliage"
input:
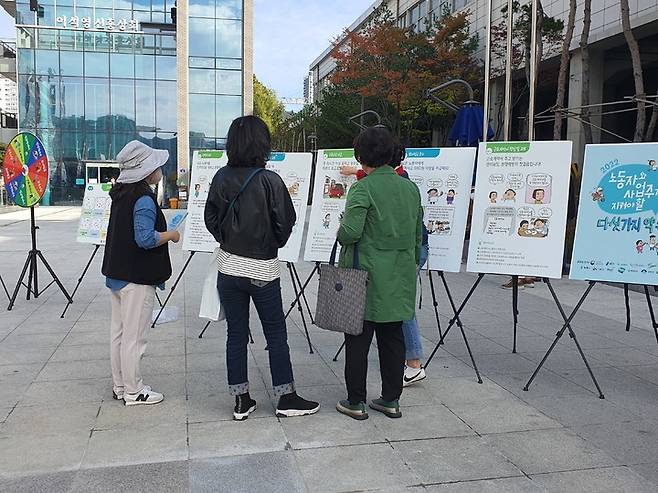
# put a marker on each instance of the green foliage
(268, 107)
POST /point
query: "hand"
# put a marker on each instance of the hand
(348, 170)
(175, 236)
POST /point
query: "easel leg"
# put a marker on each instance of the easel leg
(4, 287)
(157, 297)
(84, 272)
(12, 300)
(339, 351)
(651, 312)
(567, 325)
(628, 308)
(29, 276)
(455, 317)
(306, 283)
(515, 307)
(173, 287)
(299, 306)
(436, 304)
(54, 276)
(299, 283)
(204, 329)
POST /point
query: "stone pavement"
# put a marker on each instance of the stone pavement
(61, 431)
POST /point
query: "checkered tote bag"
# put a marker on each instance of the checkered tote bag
(341, 296)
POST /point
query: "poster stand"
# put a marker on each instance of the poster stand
(4, 287)
(302, 291)
(173, 287)
(572, 334)
(84, 272)
(31, 262)
(654, 324)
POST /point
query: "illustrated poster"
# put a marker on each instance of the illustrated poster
(444, 179)
(617, 229)
(520, 208)
(330, 190)
(196, 238)
(95, 214)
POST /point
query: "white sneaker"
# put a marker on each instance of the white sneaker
(146, 396)
(117, 394)
(413, 375)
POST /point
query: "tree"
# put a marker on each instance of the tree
(584, 54)
(638, 75)
(564, 67)
(267, 106)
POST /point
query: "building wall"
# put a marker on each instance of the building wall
(8, 95)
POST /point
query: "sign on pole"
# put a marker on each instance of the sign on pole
(444, 178)
(617, 228)
(95, 214)
(330, 190)
(520, 208)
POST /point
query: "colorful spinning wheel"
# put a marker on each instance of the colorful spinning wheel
(25, 169)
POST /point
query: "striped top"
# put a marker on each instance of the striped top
(251, 268)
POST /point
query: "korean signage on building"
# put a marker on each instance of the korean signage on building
(102, 24)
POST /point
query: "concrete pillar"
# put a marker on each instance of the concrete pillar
(248, 57)
(497, 102)
(182, 94)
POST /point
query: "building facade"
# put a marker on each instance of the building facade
(94, 75)
(8, 95)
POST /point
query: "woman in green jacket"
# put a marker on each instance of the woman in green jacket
(383, 215)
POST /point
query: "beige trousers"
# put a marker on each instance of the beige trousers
(132, 311)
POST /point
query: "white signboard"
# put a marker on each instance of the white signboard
(196, 238)
(520, 208)
(444, 178)
(330, 190)
(295, 171)
(95, 214)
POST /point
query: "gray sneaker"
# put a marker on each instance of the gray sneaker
(390, 409)
(355, 411)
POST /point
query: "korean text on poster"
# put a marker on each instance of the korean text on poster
(95, 214)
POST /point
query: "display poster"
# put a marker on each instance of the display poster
(444, 179)
(196, 238)
(330, 190)
(295, 171)
(95, 214)
(616, 229)
(520, 208)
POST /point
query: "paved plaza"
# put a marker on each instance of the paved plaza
(60, 430)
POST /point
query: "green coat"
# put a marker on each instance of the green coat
(383, 215)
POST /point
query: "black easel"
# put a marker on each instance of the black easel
(302, 292)
(567, 325)
(627, 303)
(31, 263)
(299, 295)
(205, 327)
(456, 320)
(651, 312)
(654, 324)
(4, 287)
(173, 287)
(96, 247)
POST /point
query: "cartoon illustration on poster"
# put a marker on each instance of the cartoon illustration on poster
(520, 208)
(329, 197)
(444, 179)
(617, 228)
(196, 238)
(95, 214)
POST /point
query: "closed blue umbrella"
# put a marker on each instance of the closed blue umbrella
(467, 129)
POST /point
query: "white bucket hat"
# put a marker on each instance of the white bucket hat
(137, 161)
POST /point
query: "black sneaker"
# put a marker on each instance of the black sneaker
(292, 405)
(244, 406)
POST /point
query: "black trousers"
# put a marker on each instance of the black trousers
(390, 342)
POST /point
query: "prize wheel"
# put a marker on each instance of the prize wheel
(25, 169)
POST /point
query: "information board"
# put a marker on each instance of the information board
(95, 214)
(330, 190)
(444, 179)
(520, 208)
(616, 229)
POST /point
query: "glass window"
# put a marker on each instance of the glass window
(422, 6)
(229, 39)
(229, 82)
(47, 62)
(202, 37)
(97, 64)
(145, 104)
(202, 118)
(71, 40)
(123, 4)
(145, 66)
(119, 141)
(97, 41)
(47, 39)
(103, 13)
(202, 62)
(48, 18)
(228, 109)
(97, 100)
(145, 44)
(140, 16)
(229, 63)
(87, 12)
(27, 101)
(142, 5)
(122, 100)
(73, 101)
(24, 15)
(158, 5)
(122, 65)
(158, 17)
(166, 45)
(202, 8)
(25, 37)
(71, 63)
(25, 61)
(47, 101)
(165, 100)
(97, 145)
(229, 9)
(85, 3)
(121, 43)
(459, 4)
(64, 11)
(202, 81)
(165, 68)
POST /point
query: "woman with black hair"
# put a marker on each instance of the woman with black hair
(251, 215)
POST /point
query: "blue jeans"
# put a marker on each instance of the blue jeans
(412, 341)
(235, 293)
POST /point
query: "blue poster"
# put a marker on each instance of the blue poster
(617, 229)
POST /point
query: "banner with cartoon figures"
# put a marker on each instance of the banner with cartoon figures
(95, 214)
(444, 179)
(196, 238)
(520, 208)
(295, 170)
(617, 229)
(335, 172)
